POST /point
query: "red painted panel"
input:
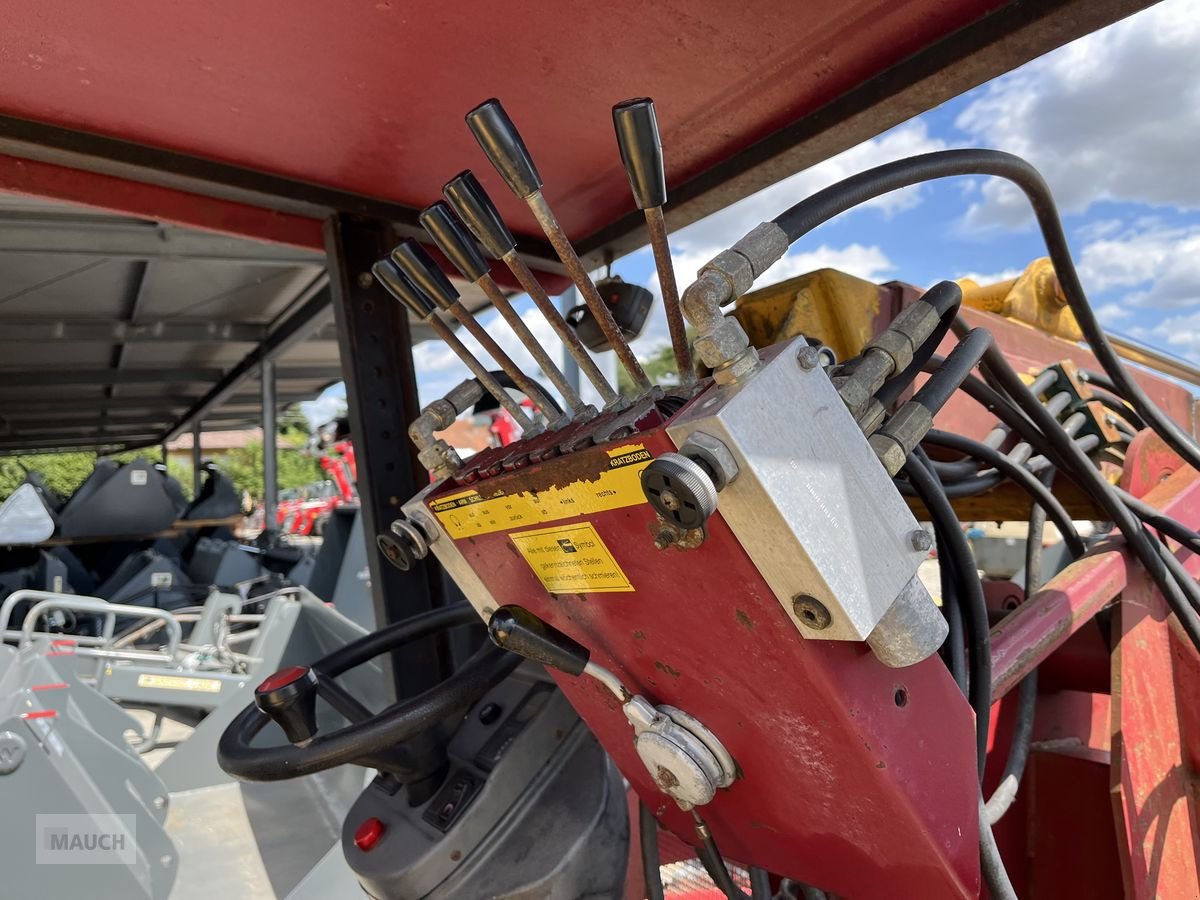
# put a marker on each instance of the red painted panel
(369, 97)
(842, 787)
(134, 198)
(1154, 787)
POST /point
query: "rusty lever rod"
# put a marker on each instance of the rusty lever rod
(636, 125)
(502, 144)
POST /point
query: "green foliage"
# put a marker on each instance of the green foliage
(659, 366)
(64, 472)
(244, 468)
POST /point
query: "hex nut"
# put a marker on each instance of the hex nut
(713, 455)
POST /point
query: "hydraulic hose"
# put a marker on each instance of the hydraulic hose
(941, 385)
(853, 191)
(950, 539)
(1036, 489)
(648, 839)
(1181, 593)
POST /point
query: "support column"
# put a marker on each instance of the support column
(270, 463)
(197, 457)
(381, 398)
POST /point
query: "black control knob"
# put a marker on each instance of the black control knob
(500, 140)
(289, 697)
(680, 490)
(475, 208)
(453, 240)
(396, 551)
(415, 262)
(518, 630)
(641, 151)
(398, 285)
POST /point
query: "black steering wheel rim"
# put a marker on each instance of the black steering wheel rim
(381, 732)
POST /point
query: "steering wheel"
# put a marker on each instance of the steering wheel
(375, 740)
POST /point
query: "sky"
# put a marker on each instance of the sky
(1112, 121)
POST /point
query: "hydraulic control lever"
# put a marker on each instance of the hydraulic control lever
(502, 143)
(462, 251)
(467, 197)
(687, 761)
(399, 286)
(414, 262)
(641, 151)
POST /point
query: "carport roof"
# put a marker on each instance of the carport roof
(117, 331)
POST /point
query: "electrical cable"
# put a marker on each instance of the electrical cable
(824, 205)
(714, 864)
(951, 540)
(1118, 406)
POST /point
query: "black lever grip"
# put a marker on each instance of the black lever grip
(289, 698)
(397, 284)
(427, 275)
(453, 240)
(518, 630)
(641, 151)
(502, 143)
(475, 208)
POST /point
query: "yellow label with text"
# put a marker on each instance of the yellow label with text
(180, 683)
(467, 514)
(571, 559)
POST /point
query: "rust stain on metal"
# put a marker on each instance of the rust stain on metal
(744, 619)
(580, 466)
(666, 669)
(639, 635)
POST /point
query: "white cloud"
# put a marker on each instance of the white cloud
(1179, 335)
(1112, 313)
(992, 277)
(1165, 260)
(726, 226)
(1113, 115)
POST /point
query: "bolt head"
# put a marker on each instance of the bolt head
(920, 540)
(808, 357)
(811, 612)
(365, 280)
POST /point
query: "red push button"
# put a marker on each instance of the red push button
(282, 678)
(368, 834)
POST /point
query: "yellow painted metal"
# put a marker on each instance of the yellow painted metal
(838, 309)
(1034, 297)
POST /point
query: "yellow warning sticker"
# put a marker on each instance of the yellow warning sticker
(467, 514)
(180, 683)
(571, 559)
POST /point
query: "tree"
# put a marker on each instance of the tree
(660, 369)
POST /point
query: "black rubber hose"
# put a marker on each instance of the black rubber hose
(760, 884)
(956, 651)
(1181, 593)
(1118, 406)
(945, 297)
(1159, 522)
(950, 539)
(991, 865)
(1018, 754)
(714, 864)
(1036, 489)
(942, 384)
(488, 402)
(858, 189)
(648, 839)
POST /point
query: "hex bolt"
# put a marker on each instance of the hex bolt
(920, 540)
(808, 357)
(811, 612)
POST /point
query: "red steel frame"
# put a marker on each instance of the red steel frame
(1118, 770)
